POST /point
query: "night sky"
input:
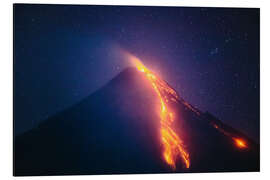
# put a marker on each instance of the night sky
(64, 53)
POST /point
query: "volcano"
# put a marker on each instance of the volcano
(136, 123)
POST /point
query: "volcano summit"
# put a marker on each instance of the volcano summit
(137, 123)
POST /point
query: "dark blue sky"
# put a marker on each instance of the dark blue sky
(209, 55)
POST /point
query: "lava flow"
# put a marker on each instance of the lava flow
(239, 142)
(172, 144)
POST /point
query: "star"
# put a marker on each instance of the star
(214, 51)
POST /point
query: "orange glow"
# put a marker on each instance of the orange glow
(240, 143)
(172, 144)
(139, 65)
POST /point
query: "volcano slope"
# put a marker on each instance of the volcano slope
(117, 130)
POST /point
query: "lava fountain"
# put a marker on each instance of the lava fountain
(172, 143)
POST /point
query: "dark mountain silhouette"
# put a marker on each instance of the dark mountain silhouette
(116, 130)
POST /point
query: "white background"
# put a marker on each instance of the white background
(6, 87)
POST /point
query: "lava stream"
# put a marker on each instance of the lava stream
(172, 144)
(239, 142)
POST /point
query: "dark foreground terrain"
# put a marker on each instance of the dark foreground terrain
(116, 130)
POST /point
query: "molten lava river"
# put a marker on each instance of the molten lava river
(172, 143)
(173, 146)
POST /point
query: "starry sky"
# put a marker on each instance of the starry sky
(63, 53)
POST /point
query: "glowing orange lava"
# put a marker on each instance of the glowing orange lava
(173, 145)
(240, 143)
